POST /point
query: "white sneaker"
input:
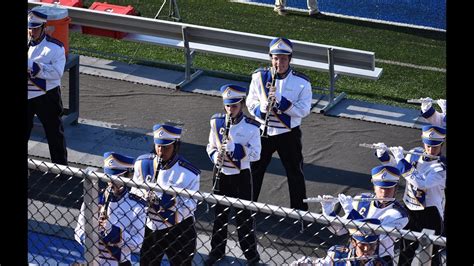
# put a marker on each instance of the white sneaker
(312, 12)
(315, 14)
(281, 12)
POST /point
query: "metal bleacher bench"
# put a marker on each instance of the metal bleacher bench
(192, 38)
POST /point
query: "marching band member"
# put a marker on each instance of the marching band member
(362, 250)
(426, 180)
(431, 115)
(390, 213)
(46, 61)
(122, 216)
(279, 102)
(234, 142)
(170, 223)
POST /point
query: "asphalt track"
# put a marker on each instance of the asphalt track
(333, 161)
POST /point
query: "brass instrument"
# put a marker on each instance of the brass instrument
(271, 103)
(373, 146)
(222, 153)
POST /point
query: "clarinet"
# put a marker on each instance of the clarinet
(222, 152)
(104, 208)
(151, 193)
(271, 103)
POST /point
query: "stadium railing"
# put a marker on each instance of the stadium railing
(192, 38)
(283, 234)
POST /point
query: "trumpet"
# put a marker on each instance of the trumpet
(373, 146)
(222, 152)
(321, 199)
(420, 100)
(271, 103)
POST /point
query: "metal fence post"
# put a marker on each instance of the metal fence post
(188, 56)
(73, 66)
(424, 250)
(91, 242)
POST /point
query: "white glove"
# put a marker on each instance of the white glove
(397, 153)
(229, 146)
(303, 261)
(442, 105)
(215, 157)
(263, 106)
(327, 205)
(381, 148)
(426, 104)
(346, 203)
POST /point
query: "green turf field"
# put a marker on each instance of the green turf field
(400, 51)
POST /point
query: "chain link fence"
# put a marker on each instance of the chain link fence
(58, 196)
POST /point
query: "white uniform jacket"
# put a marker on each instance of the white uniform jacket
(124, 231)
(434, 117)
(46, 61)
(246, 137)
(426, 180)
(167, 210)
(293, 94)
(392, 215)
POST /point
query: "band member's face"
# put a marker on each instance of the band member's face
(233, 109)
(164, 152)
(117, 187)
(364, 249)
(281, 62)
(381, 192)
(433, 150)
(35, 33)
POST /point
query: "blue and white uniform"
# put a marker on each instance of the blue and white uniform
(126, 227)
(425, 177)
(293, 93)
(244, 133)
(241, 147)
(125, 212)
(170, 227)
(177, 173)
(293, 96)
(426, 180)
(424, 194)
(46, 61)
(340, 255)
(393, 214)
